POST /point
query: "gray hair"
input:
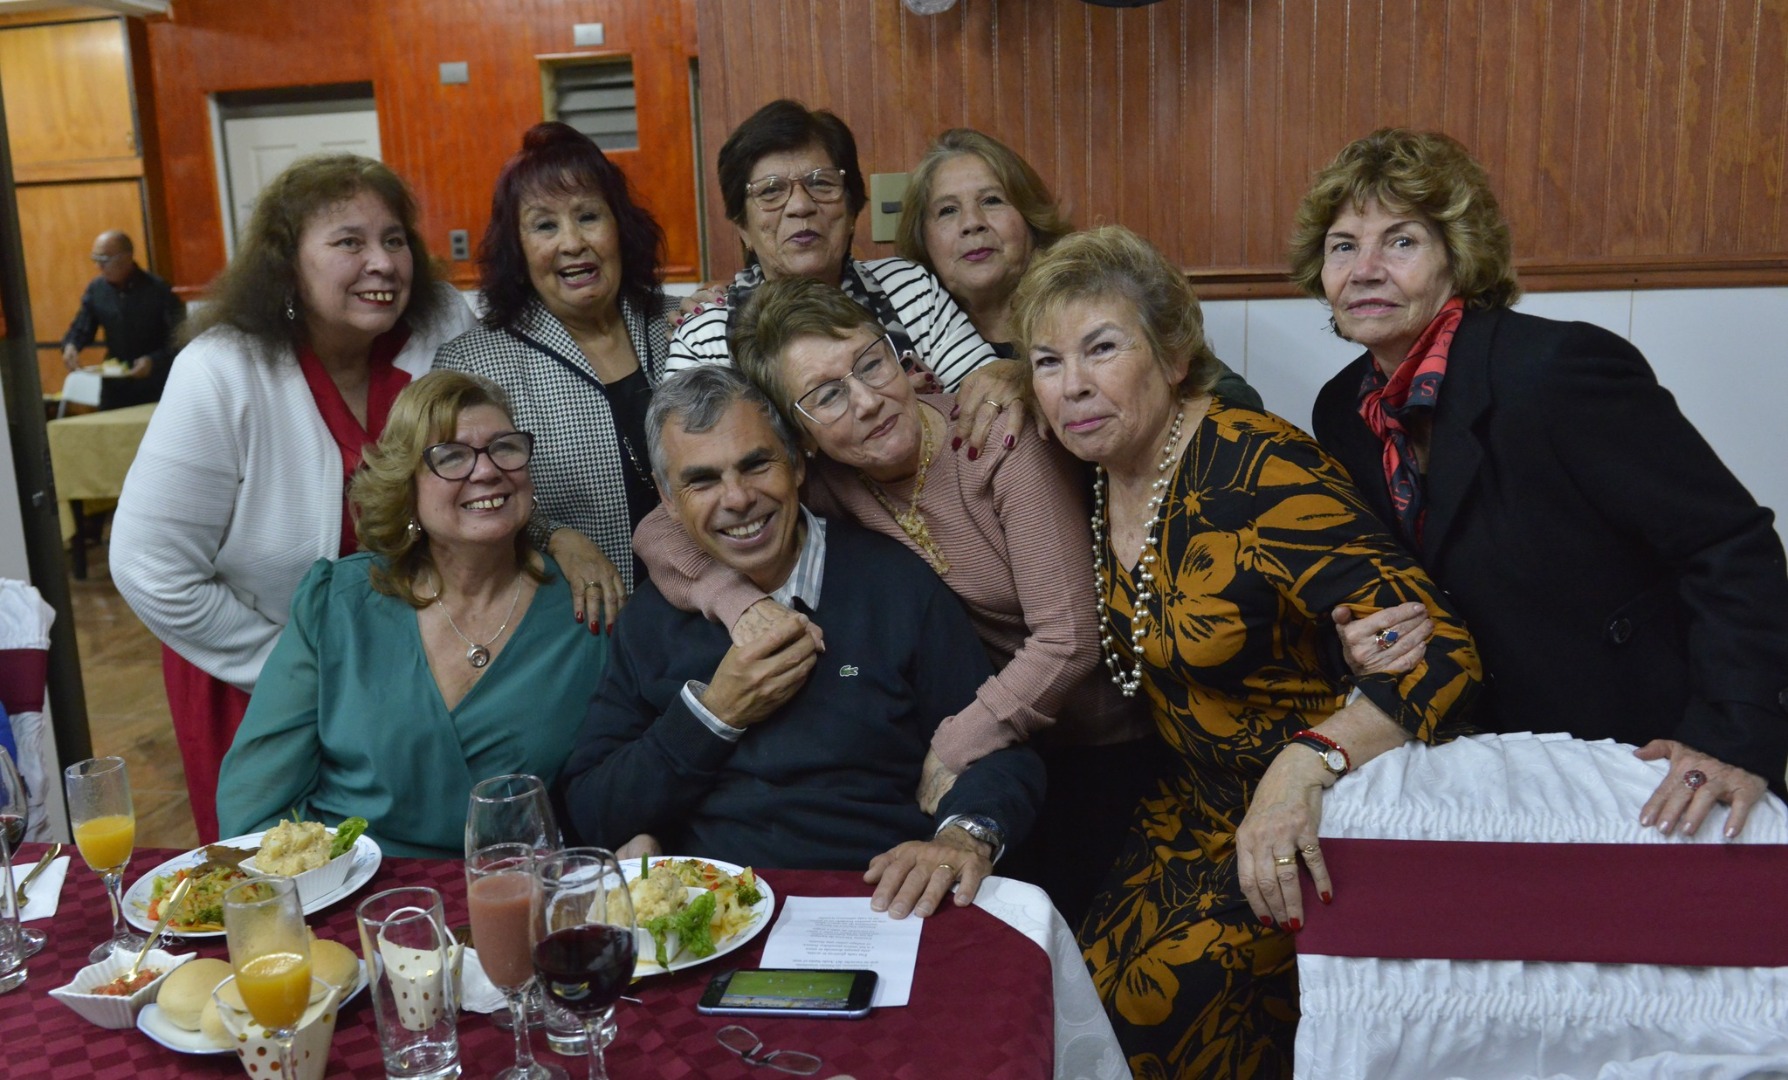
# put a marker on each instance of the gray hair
(699, 397)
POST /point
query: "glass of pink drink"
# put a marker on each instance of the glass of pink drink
(503, 896)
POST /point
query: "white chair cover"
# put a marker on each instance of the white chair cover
(25, 624)
(1431, 1019)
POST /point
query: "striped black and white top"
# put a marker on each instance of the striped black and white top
(578, 451)
(945, 339)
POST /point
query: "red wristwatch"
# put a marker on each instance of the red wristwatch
(1333, 754)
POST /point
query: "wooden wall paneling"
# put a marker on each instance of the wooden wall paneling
(1763, 194)
(70, 96)
(57, 224)
(1732, 103)
(1266, 203)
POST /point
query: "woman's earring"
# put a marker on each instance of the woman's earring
(413, 531)
(291, 310)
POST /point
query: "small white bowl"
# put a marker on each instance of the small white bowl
(108, 1010)
(320, 881)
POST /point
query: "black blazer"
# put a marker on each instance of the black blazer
(1619, 580)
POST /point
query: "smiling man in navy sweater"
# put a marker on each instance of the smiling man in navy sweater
(773, 753)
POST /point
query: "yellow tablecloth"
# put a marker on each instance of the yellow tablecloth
(90, 454)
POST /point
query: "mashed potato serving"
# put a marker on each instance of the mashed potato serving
(292, 847)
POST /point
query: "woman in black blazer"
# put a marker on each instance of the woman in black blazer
(1620, 582)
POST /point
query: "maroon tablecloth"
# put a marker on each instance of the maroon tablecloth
(1692, 905)
(982, 1003)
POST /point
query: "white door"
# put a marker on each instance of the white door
(257, 148)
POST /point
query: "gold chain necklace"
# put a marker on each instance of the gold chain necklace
(912, 519)
(1128, 682)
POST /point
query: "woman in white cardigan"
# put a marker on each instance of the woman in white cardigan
(327, 311)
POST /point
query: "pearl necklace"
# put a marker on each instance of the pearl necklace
(478, 655)
(1128, 682)
(912, 519)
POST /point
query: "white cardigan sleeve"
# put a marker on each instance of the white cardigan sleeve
(175, 513)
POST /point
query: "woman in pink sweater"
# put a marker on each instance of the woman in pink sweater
(1006, 530)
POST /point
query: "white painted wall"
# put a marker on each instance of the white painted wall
(13, 563)
(1720, 351)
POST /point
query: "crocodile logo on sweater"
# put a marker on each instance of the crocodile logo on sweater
(847, 671)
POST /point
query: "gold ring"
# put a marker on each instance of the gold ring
(589, 584)
(995, 404)
(947, 866)
(1308, 849)
(1285, 860)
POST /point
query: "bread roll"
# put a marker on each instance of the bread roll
(335, 964)
(211, 1024)
(185, 992)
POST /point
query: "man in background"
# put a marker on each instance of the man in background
(138, 312)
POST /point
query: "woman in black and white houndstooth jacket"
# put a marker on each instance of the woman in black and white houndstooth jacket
(575, 334)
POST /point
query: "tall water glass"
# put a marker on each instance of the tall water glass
(15, 816)
(270, 953)
(13, 813)
(501, 893)
(105, 831)
(584, 941)
(414, 963)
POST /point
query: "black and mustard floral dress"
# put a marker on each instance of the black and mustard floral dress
(1261, 537)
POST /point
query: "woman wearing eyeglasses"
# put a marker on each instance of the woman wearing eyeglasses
(793, 189)
(1008, 533)
(436, 657)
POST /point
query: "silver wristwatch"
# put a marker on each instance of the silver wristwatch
(981, 828)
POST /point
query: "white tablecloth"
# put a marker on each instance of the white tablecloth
(1432, 1019)
(1085, 1046)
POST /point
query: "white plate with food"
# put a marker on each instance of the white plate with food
(213, 878)
(742, 904)
(154, 1022)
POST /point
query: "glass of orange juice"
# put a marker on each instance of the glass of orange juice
(105, 830)
(270, 952)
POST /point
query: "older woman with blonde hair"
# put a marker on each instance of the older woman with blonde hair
(975, 213)
(1620, 581)
(393, 689)
(1221, 538)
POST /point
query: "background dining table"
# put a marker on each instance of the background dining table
(982, 1001)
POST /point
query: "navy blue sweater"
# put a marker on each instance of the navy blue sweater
(829, 781)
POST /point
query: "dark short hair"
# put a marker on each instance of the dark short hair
(777, 313)
(1423, 172)
(252, 293)
(383, 491)
(781, 126)
(1111, 261)
(697, 398)
(1025, 190)
(557, 158)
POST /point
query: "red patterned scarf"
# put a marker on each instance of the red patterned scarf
(1384, 404)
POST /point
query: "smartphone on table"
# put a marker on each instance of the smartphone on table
(843, 995)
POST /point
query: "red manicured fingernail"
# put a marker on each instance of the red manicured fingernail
(956, 444)
(611, 626)
(1266, 920)
(1294, 925)
(1328, 898)
(955, 411)
(973, 453)
(1011, 441)
(580, 616)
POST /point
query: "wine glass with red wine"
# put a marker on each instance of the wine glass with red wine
(584, 941)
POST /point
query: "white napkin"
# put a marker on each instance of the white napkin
(477, 993)
(46, 891)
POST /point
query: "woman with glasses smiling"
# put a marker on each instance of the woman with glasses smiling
(794, 190)
(1007, 531)
(395, 687)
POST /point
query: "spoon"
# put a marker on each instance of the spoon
(42, 865)
(168, 907)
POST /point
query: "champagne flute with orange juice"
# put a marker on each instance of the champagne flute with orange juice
(105, 831)
(270, 952)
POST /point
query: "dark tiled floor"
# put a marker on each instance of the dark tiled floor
(127, 709)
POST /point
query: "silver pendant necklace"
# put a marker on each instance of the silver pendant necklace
(476, 654)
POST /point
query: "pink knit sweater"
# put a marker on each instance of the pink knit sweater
(1013, 526)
